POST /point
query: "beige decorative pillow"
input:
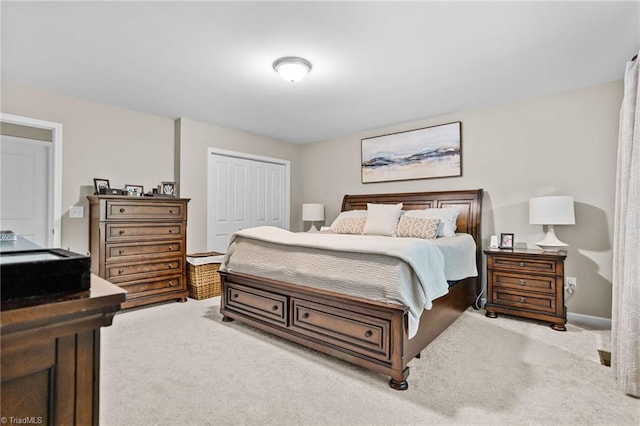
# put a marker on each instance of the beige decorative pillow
(349, 225)
(382, 219)
(415, 227)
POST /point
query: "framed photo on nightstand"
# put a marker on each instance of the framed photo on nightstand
(506, 241)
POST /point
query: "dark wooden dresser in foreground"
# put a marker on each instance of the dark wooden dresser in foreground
(139, 244)
(50, 357)
(527, 283)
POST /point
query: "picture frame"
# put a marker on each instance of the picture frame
(99, 183)
(506, 241)
(134, 190)
(168, 188)
(429, 152)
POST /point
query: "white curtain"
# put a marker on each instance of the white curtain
(625, 336)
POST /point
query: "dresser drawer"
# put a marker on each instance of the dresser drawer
(524, 300)
(152, 286)
(539, 283)
(527, 265)
(148, 231)
(355, 331)
(257, 304)
(130, 271)
(134, 251)
(138, 209)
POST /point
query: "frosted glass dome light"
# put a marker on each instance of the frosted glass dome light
(292, 68)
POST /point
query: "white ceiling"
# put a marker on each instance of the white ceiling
(374, 64)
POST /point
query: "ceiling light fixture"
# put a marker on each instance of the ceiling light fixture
(292, 68)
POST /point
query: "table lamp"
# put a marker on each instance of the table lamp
(551, 211)
(312, 213)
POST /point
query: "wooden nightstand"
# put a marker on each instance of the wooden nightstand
(527, 283)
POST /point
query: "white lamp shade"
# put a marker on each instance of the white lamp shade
(555, 210)
(312, 212)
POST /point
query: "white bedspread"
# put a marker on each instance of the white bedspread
(409, 271)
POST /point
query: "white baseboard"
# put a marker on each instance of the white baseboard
(599, 322)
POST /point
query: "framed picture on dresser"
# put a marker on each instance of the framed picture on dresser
(168, 188)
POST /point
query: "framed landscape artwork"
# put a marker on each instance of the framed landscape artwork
(432, 152)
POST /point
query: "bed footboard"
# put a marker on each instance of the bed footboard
(367, 333)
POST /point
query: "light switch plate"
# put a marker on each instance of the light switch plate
(76, 212)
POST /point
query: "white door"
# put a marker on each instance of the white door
(243, 193)
(24, 188)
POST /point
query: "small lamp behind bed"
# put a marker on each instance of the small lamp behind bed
(312, 213)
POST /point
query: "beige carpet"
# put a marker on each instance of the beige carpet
(180, 364)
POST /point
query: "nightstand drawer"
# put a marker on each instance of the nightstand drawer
(523, 300)
(540, 283)
(521, 264)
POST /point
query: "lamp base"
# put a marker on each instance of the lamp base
(313, 228)
(550, 242)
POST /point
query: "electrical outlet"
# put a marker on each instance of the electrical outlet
(76, 212)
(570, 284)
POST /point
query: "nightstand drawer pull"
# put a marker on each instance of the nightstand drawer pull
(274, 308)
(368, 333)
(235, 295)
(522, 281)
(521, 264)
(121, 209)
(305, 315)
(522, 299)
(121, 232)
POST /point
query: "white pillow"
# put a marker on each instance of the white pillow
(382, 219)
(447, 215)
(349, 214)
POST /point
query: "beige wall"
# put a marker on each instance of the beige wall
(194, 139)
(123, 146)
(562, 144)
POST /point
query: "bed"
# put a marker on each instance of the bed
(374, 334)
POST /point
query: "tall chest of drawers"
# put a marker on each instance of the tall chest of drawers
(139, 244)
(527, 283)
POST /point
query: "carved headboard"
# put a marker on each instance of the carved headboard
(469, 202)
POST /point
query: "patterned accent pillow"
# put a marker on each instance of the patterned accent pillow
(415, 227)
(350, 225)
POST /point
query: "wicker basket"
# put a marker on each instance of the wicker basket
(203, 281)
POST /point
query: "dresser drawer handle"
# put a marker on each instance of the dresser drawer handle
(121, 232)
(171, 231)
(522, 299)
(121, 209)
(120, 251)
(235, 295)
(170, 283)
(121, 271)
(274, 308)
(521, 264)
(170, 265)
(170, 248)
(305, 315)
(170, 211)
(522, 281)
(368, 333)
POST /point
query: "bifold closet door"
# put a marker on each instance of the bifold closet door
(242, 193)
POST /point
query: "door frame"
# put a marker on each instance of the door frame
(54, 216)
(287, 170)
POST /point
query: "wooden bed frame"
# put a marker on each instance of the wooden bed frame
(365, 332)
